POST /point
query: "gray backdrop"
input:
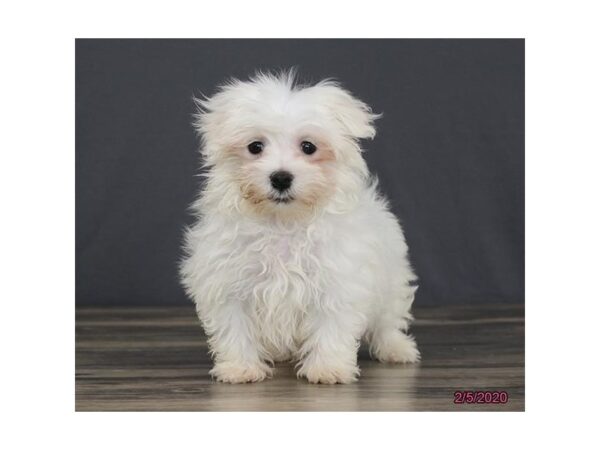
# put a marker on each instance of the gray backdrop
(449, 155)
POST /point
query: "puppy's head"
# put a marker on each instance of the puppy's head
(279, 148)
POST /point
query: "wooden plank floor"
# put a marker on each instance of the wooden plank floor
(155, 359)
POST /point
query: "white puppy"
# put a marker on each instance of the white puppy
(295, 256)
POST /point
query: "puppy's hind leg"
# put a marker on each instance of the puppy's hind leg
(387, 337)
(394, 346)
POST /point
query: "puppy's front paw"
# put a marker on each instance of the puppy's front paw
(396, 347)
(234, 373)
(324, 374)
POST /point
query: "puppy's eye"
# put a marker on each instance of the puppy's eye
(256, 147)
(308, 147)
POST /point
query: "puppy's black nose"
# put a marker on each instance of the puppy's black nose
(281, 180)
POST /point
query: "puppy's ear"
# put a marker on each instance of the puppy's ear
(202, 116)
(355, 117)
(208, 122)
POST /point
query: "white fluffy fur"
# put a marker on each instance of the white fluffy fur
(306, 280)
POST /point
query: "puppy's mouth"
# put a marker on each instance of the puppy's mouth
(281, 199)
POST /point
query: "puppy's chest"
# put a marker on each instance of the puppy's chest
(284, 270)
(283, 288)
(284, 255)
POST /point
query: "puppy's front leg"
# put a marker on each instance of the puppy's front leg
(329, 352)
(233, 341)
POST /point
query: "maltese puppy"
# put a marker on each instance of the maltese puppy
(295, 256)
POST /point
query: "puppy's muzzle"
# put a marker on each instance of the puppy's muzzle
(281, 180)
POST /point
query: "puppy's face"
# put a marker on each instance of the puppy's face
(293, 164)
(283, 148)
